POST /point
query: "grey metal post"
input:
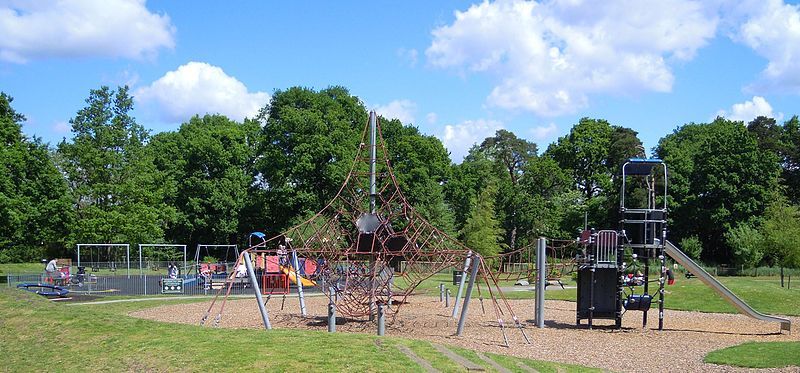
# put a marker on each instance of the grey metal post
(79, 256)
(184, 269)
(372, 159)
(381, 320)
(257, 289)
(447, 298)
(461, 284)
(331, 317)
(541, 271)
(476, 261)
(128, 256)
(299, 282)
(441, 293)
(140, 261)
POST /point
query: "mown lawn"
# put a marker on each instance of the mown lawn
(39, 335)
(758, 355)
(765, 294)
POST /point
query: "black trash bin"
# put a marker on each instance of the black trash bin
(457, 277)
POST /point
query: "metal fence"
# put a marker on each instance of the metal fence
(136, 285)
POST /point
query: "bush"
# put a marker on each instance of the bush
(21, 254)
(692, 247)
(747, 244)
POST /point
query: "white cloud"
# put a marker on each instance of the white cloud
(199, 88)
(61, 127)
(544, 132)
(398, 109)
(72, 28)
(549, 57)
(459, 138)
(749, 110)
(431, 118)
(410, 56)
(772, 30)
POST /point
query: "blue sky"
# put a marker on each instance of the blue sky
(458, 70)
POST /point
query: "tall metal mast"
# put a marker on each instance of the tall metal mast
(372, 160)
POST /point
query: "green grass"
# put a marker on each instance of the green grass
(765, 294)
(762, 293)
(758, 355)
(39, 335)
(15, 268)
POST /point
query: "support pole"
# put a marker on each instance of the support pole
(447, 298)
(461, 284)
(441, 293)
(79, 256)
(373, 146)
(541, 278)
(140, 261)
(476, 260)
(254, 284)
(296, 264)
(381, 320)
(331, 317)
(128, 257)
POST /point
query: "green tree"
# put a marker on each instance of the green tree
(552, 203)
(308, 142)
(592, 154)
(467, 179)
(510, 154)
(747, 243)
(791, 159)
(34, 198)
(719, 178)
(117, 191)
(692, 247)
(210, 163)
(421, 165)
(482, 231)
(781, 230)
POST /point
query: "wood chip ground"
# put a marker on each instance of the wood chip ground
(681, 346)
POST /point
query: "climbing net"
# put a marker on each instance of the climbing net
(375, 248)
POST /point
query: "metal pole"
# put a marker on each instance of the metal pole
(140, 261)
(441, 293)
(79, 255)
(475, 263)
(447, 298)
(128, 258)
(299, 282)
(372, 160)
(331, 317)
(541, 266)
(185, 269)
(381, 320)
(257, 289)
(461, 284)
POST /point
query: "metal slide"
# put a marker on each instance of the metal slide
(726, 294)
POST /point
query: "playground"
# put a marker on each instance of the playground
(368, 263)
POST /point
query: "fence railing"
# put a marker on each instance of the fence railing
(103, 285)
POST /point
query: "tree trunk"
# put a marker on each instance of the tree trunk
(513, 238)
(781, 276)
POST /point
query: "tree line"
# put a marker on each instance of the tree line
(733, 186)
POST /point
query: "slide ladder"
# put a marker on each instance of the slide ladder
(726, 294)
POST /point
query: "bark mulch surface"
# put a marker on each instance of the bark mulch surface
(686, 338)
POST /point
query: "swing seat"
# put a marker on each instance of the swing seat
(638, 302)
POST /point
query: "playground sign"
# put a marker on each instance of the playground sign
(171, 286)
